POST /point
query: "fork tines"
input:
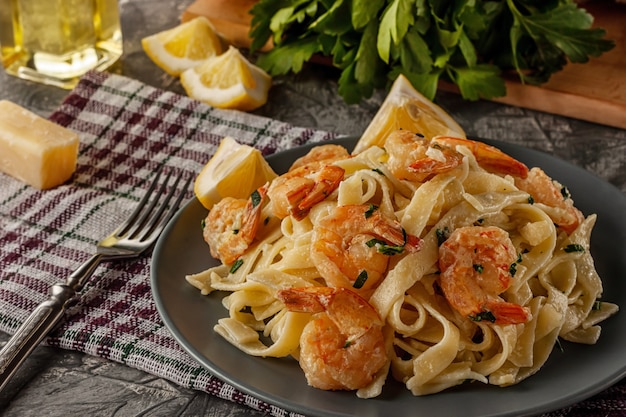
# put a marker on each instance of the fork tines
(155, 208)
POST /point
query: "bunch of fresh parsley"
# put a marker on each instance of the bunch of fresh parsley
(470, 43)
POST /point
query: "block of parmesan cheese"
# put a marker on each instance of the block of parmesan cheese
(35, 150)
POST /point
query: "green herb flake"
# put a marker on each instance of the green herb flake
(360, 280)
(255, 197)
(347, 344)
(574, 247)
(478, 268)
(370, 211)
(484, 316)
(235, 231)
(531, 200)
(236, 265)
(513, 269)
(203, 223)
(442, 235)
(378, 171)
(565, 193)
(384, 247)
(597, 305)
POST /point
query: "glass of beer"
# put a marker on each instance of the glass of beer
(57, 41)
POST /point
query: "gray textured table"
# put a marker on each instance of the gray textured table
(55, 381)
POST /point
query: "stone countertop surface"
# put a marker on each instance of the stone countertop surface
(56, 382)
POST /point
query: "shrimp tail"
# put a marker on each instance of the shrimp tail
(329, 178)
(447, 159)
(393, 233)
(487, 156)
(305, 299)
(508, 313)
(413, 243)
(254, 206)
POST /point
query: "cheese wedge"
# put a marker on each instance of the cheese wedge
(35, 150)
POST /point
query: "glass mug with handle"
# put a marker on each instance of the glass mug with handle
(56, 41)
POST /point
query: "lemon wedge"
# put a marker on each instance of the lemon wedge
(406, 108)
(184, 46)
(228, 81)
(235, 170)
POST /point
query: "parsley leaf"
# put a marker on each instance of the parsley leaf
(289, 57)
(385, 248)
(360, 280)
(479, 81)
(471, 44)
(236, 265)
(574, 247)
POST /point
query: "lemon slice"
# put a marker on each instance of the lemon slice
(234, 171)
(228, 81)
(185, 46)
(405, 108)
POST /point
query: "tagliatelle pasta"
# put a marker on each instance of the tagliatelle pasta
(548, 290)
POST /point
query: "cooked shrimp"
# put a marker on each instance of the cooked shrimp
(342, 347)
(297, 191)
(231, 225)
(351, 246)
(545, 190)
(415, 158)
(321, 155)
(310, 179)
(489, 157)
(475, 266)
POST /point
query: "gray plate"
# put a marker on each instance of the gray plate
(569, 376)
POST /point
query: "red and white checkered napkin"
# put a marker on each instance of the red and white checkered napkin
(127, 130)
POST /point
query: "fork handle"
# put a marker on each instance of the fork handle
(42, 320)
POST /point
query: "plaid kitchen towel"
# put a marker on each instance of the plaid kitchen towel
(127, 130)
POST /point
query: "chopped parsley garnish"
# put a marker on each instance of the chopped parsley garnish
(235, 231)
(255, 197)
(370, 211)
(385, 248)
(484, 316)
(203, 223)
(347, 344)
(442, 235)
(565, 193)
(597, 305)
(236, 265)
(478, 268)
(360, 280)
(531, 200)
(513, 269)
(574, 247)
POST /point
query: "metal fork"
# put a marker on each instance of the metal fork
(131, 239)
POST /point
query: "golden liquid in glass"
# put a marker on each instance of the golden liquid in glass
(57, 41)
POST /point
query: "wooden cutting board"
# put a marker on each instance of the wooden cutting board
(594, 91)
